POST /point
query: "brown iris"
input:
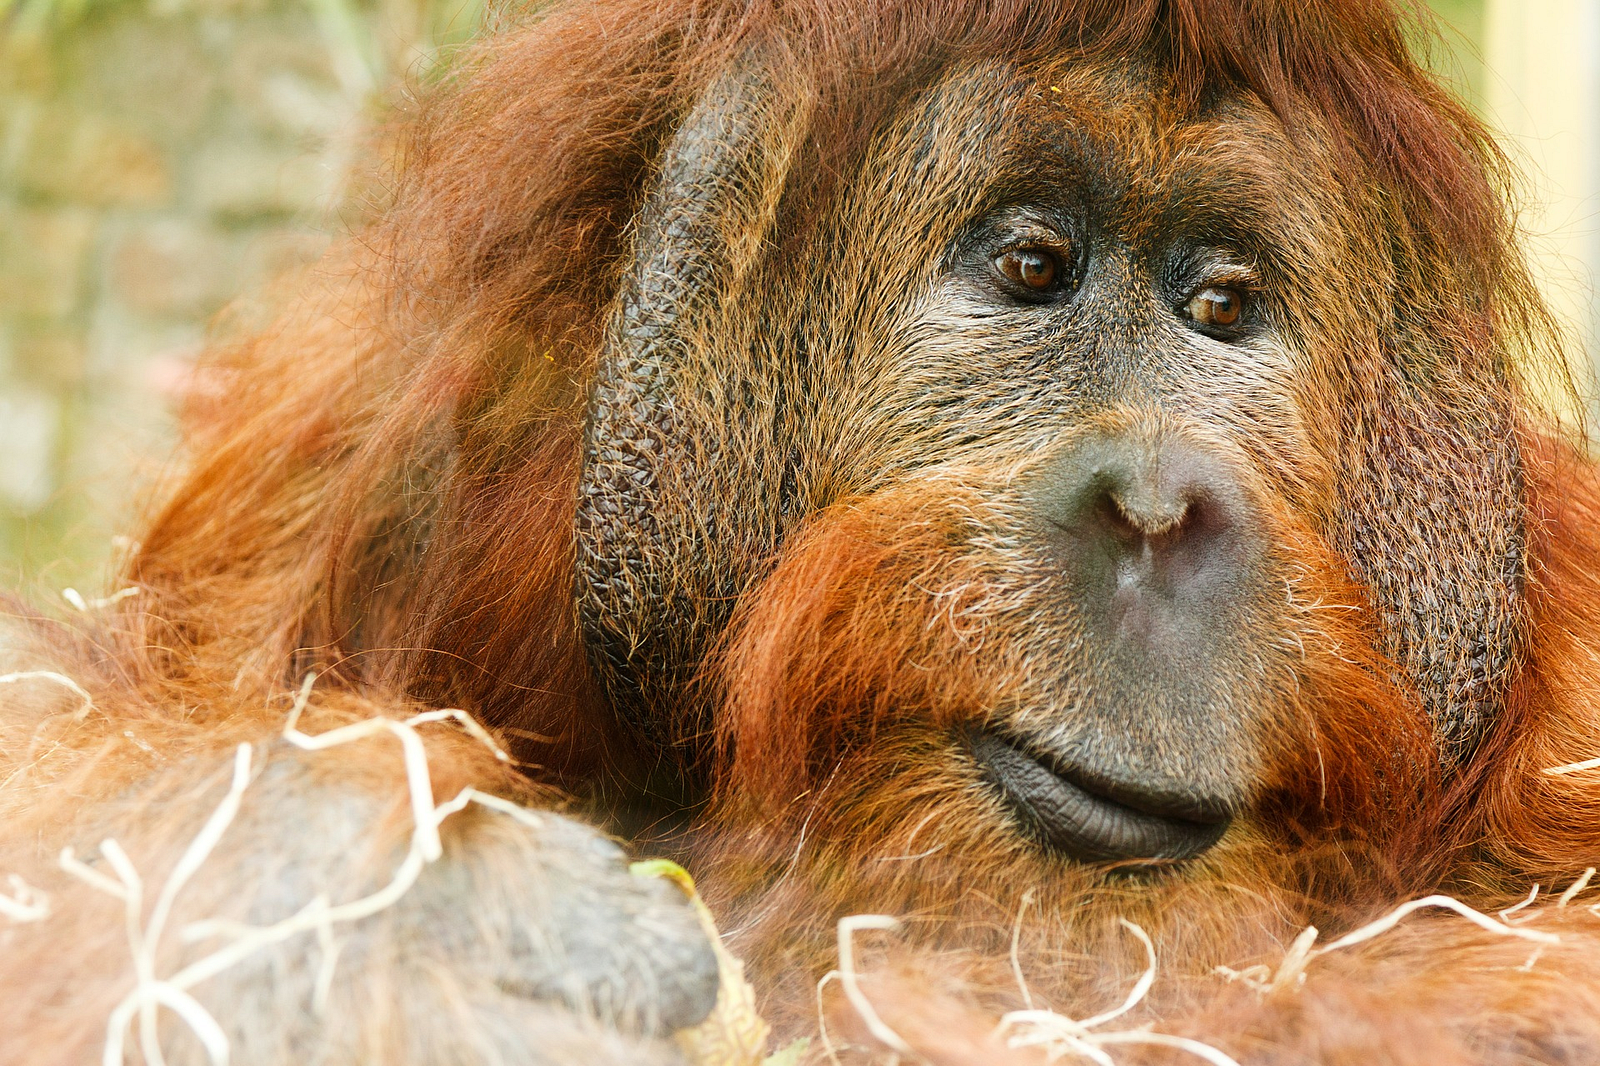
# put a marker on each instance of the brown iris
(1035, 269)
(1217, 306)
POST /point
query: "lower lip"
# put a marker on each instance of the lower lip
(1081, 824)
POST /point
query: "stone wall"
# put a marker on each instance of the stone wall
(151, 169)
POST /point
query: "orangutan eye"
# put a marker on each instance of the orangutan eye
(1032, 271)
(1217, 307)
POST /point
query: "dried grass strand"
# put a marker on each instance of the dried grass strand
(849, 979)
(1533, 894)
(25, 903)
(59, 679)
(1060, 1035)
(1576, 887)
(1571, 768)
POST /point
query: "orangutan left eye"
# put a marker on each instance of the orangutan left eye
(1217, 307)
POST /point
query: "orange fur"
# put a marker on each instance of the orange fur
(387, 498)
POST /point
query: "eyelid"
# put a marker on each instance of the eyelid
(1026, 226)
(1228, 275)
(1047, 239)
(1195, 265)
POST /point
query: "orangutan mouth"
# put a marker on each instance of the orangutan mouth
(1091, 818)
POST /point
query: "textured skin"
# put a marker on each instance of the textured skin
(1455, 628)
(645, 622)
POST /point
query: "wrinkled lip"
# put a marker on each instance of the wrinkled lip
(1089, 817)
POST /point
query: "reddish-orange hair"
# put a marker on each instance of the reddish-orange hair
(439, 389)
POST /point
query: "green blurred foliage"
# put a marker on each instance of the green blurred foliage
(1460, 59)
(351, 29)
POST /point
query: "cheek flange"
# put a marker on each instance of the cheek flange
(1435, 525)
(656, 570)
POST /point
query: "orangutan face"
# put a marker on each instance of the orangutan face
(1108, 340)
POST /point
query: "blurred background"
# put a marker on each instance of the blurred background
(158, 158)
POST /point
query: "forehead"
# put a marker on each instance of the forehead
(1129, 130)
(1113, 141)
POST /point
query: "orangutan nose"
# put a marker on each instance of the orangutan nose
(1159, 539)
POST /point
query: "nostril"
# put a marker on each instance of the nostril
(1132, 511)
(1199, 515)
(1153, 514)
(1113, 515)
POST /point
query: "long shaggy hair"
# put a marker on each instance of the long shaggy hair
(386, 497)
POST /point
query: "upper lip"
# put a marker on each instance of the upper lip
(1093, 815)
